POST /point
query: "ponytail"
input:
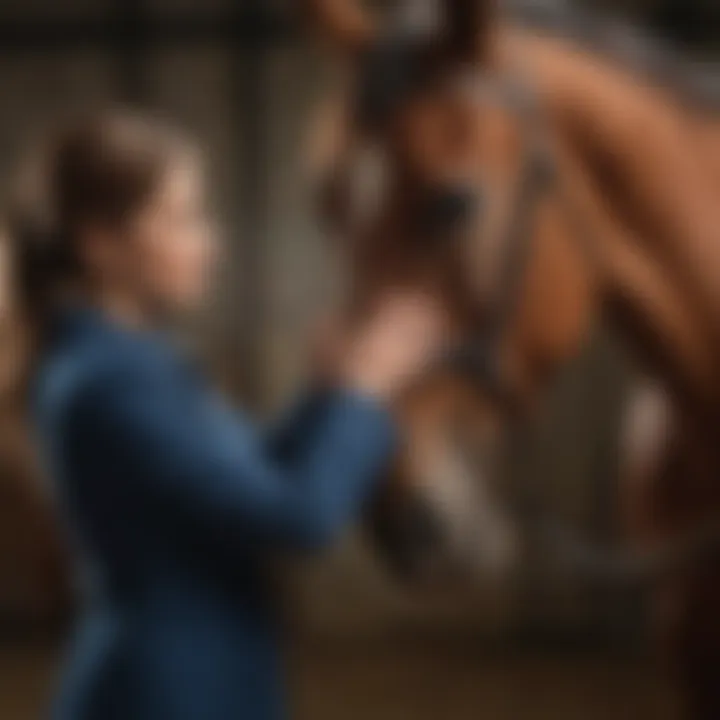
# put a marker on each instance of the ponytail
(41, 253)
(43, 262)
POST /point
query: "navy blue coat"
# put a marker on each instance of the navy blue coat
(175, 504)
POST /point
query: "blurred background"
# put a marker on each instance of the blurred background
(240, 75)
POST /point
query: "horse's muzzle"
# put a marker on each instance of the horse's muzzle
(408, 537)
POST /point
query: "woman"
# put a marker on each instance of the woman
(174, 502)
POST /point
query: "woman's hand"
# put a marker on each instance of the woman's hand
(389, 349)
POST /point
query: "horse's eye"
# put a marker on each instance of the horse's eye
(449, 207)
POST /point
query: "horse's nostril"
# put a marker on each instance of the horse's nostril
(448, 208)
(423, 530)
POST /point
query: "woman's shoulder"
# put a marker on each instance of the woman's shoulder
(95, 361)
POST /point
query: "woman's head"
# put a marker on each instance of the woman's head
(113, 207)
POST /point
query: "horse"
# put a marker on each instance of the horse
(530, 185)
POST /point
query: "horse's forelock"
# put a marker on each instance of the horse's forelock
(467, 26)
(344, 23)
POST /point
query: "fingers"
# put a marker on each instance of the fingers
(393, 345)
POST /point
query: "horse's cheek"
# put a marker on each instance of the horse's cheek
(559, 302)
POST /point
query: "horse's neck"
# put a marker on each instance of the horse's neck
(649, 198)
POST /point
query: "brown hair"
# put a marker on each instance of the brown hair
(101, 169)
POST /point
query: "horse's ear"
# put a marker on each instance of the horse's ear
(467, 27)
(343, 23)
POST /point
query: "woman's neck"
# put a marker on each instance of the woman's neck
(123, 308)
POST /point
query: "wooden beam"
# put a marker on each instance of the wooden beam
(245, 26)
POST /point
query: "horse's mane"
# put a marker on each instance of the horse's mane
(696, 80)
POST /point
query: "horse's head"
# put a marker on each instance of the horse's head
(438, 174)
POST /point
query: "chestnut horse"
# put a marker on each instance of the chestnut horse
(527, 184)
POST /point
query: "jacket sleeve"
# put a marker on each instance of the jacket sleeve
(132, 430)
(286, 435)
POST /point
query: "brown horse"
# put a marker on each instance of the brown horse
(528, 184)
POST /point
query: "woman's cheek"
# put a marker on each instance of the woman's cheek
(193, 264)
(176, 262)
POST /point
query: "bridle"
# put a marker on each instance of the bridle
(392, 69)
(480, 358)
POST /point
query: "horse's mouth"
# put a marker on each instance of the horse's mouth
(451, 524)
(424, 547)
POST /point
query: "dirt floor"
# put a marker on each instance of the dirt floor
(414, 682)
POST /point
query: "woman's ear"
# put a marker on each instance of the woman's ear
(467, 27)
(98, 252)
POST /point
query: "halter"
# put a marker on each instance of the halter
(480, 358)
(394, 68)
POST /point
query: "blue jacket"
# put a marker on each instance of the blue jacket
(175, 504)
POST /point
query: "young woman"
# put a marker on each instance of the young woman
(173, 501)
